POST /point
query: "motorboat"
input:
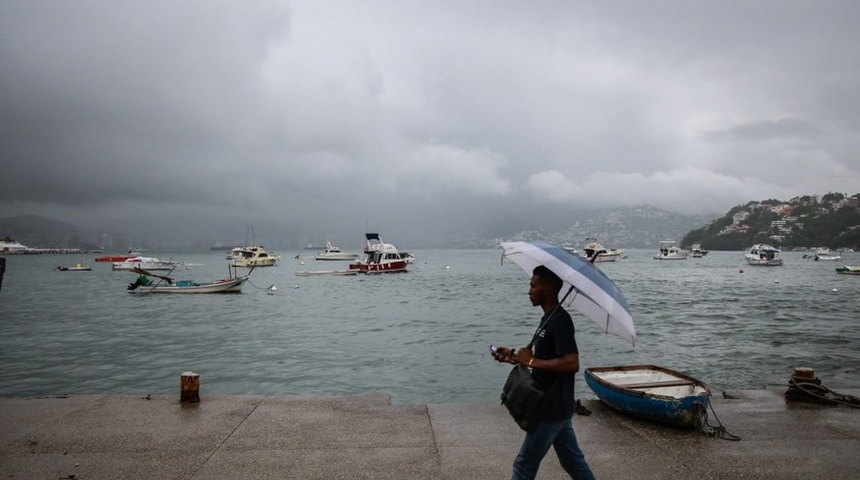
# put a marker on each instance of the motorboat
(145, 263)
(334, 253)
(652, 393)
(696, 251)
(380, 257)
(848, 270)
(670, 251)
(827, 255)
(252, 256)
(603, 254)
(762, 254)
(77, 268)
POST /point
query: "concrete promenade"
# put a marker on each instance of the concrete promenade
(365, 437)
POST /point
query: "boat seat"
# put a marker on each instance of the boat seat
(666, 383)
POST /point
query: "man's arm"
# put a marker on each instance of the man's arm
(568, 363)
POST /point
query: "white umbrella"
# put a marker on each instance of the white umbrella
(595, 295)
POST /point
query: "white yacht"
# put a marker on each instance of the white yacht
(144, 263)
(335, 254)
(827, 254)
(603, 254)
(252, 256)
(669, 251)
(762, 254)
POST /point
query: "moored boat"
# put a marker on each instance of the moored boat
(146, 285)
(827, 255)
(650, 392)
(252, 256)
(77, 268)
(603, 254)
(381, 257)
(762, 254)
(669, 251)
(848, 270)
(696, 251)
(334, 253)
(145, 263)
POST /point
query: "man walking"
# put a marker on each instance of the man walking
(554, 361)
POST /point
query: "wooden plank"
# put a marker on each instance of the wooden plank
(666, 383)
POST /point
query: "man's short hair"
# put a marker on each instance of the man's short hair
(548, 276)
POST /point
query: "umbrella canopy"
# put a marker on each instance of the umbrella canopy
(595, 296)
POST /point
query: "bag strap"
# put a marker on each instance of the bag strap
(542, 325)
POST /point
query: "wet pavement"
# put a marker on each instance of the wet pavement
(365, 437)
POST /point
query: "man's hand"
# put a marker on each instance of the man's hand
(523, 356)
(504, 354)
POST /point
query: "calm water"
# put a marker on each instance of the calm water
(422, 336)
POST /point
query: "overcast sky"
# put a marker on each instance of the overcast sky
(318, 118)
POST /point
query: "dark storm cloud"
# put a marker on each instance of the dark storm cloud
(316, 118)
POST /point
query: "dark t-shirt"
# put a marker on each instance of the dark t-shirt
(555, 340)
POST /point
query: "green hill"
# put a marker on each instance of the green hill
(803, 222)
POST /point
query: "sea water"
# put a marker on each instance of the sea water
(420, 336)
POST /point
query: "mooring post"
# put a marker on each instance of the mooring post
(190, 388)
(2, 270)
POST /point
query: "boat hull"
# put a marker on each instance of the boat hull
(650, 392)
(232, 285)
(847, 270)
(114, 258)
(386, 267)
(763, 262)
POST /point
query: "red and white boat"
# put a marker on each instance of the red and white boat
(380, 257)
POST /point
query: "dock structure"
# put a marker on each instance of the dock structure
(366, 437)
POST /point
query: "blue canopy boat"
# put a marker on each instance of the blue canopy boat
(651, 393)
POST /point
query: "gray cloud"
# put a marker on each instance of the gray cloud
(428, 118)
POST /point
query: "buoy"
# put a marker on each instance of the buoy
(776, 281)
(835, 289)
(295, 286)
(741, 271)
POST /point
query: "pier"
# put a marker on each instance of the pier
(366, 437)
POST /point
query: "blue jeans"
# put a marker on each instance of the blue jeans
(536, 444)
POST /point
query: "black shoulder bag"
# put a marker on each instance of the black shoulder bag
(522, 395)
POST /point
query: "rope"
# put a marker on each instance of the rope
(271, 288)
(701, 422)
(812, 391)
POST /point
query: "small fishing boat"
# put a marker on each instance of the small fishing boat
(650, 392)
(848, 270)
(145, 285)
(77, 268)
